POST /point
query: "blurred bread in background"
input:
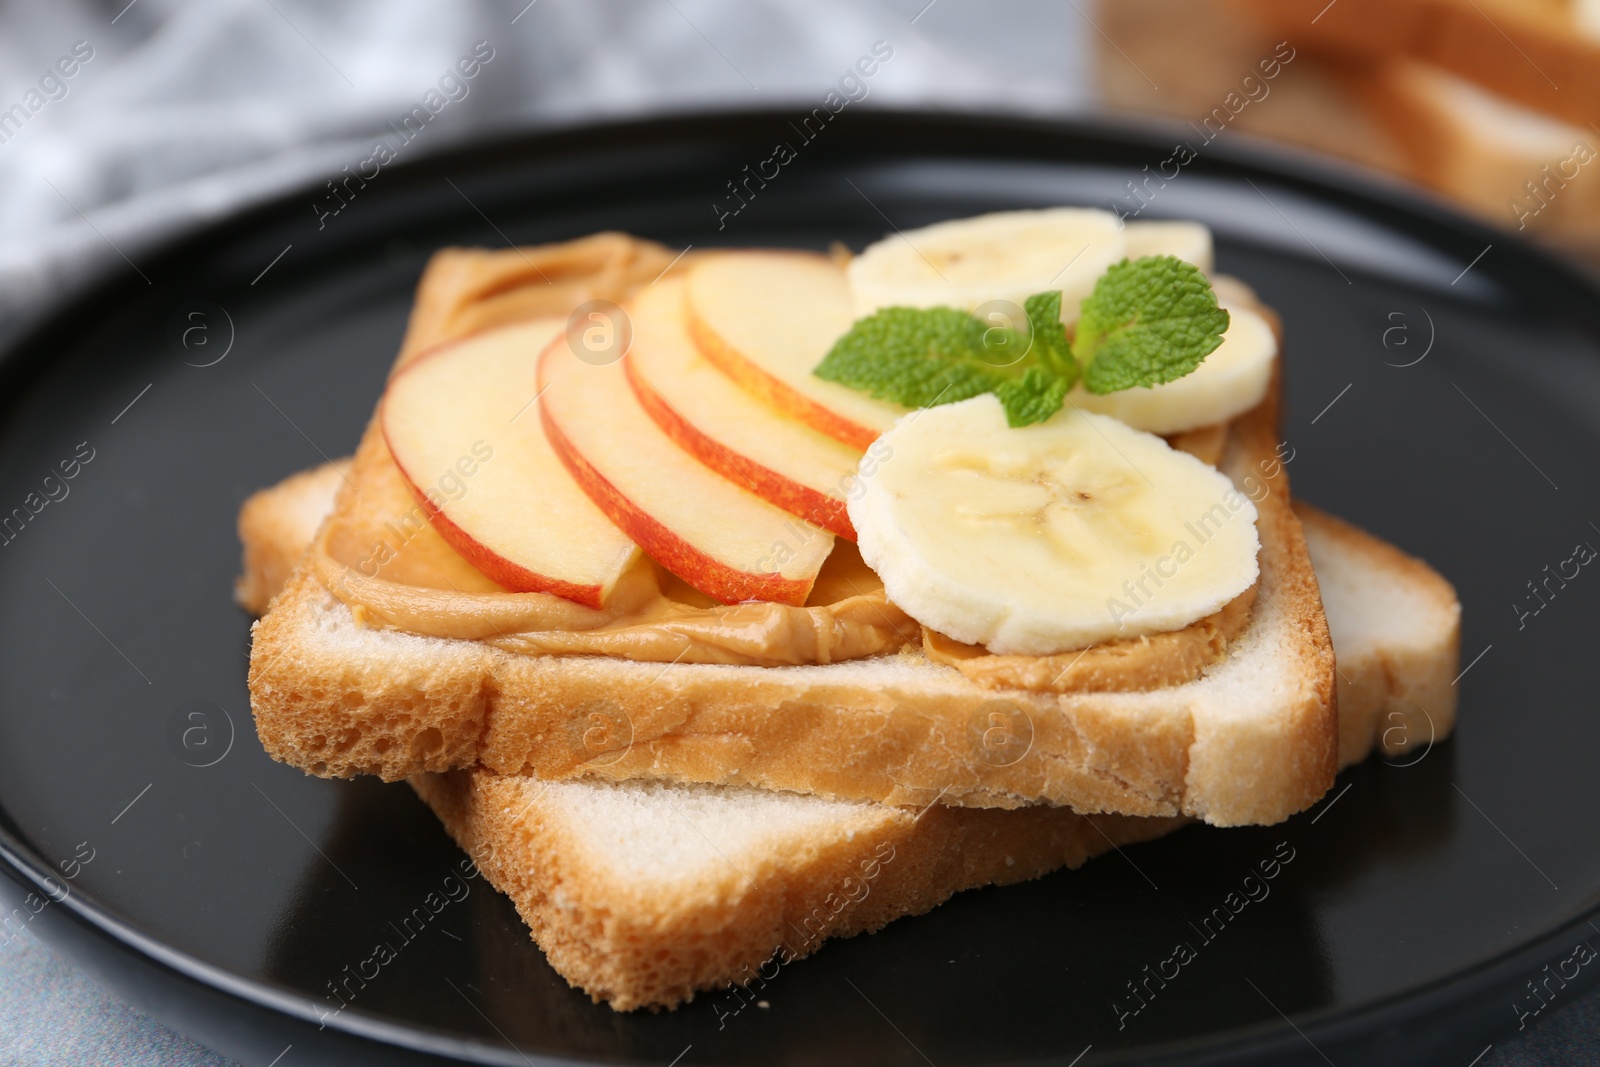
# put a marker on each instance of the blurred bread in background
(1492, 103)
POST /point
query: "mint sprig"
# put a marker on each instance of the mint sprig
(1148, 321)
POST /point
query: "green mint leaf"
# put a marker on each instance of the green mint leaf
(914, 356)
(1149, 321)
(1050, 347)
(1034, 397)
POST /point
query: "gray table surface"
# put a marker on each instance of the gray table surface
(188, 112)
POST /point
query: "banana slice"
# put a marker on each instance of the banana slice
(1051, 537)
(1189, 241)
(1231, 381)
(1009, 255)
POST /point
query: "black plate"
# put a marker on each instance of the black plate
(1439, 406)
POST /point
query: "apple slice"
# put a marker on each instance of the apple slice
(724, 540)
(766, 319)
(752, 444)
(462, 426)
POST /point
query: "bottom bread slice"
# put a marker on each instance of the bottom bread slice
(1396, 627)
(642, 893)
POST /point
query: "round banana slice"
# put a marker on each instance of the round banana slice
(1048, 538)
(1231, 381)
(1007, 256)
(1189, 241)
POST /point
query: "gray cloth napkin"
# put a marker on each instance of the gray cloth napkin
(184, 113)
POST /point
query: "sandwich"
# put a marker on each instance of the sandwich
(993, 515)
(713, 626)
(643, 894)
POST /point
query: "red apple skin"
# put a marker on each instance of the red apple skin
(513, 576)
(774, 391)
(516, 578)
(710, 576)
(802, 501)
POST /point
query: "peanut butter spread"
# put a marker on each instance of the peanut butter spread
(1130, 664)
(379, 554)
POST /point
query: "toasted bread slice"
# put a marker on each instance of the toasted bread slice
(1396, 626)
(1450, 127)
(1540, 53)
(643, 893)
(1253, 740)
(1516, 166)
(1220, 72)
